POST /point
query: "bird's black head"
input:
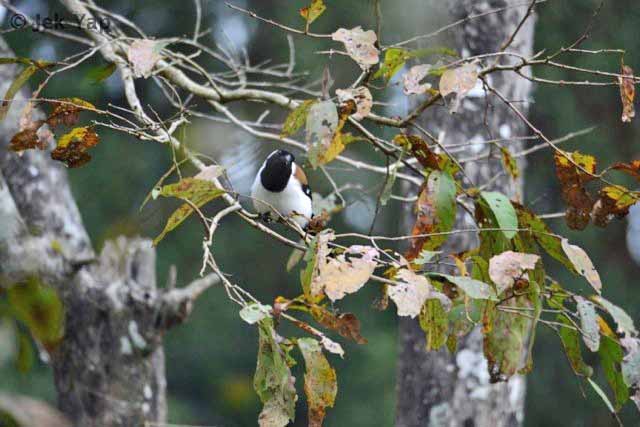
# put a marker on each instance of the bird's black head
(277, 170)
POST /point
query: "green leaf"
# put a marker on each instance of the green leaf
(611, 356)
(571, 342)
(39, 308)
(19, 81)
(503, 211)
(394, 59)
(602, 395)
(255, 312)
(434, 322)
(197, 191)
(320, 381)
(297, 118)
(99, 74)
(273, 381)
(473, 288)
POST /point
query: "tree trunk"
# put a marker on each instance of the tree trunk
(439, 388)
(109, 367)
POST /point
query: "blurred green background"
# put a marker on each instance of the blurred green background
(210, 360)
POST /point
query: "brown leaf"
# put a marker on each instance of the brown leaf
(573, 180)
(411, 80)
(459, 80)
(506, 268)
(614, 201)
(345, 324)
(627, 93)
(313, 11)
(360, 96)
(67, 111)
(72, 147)
(419, 149)
(27, 138)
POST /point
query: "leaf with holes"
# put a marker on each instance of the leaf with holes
(614, 201)
(412, 291)
(67, 111)
(411, 81)
(297, 118)
(575, 170)
(588, 323)
(320, 381)
(360, 97)
(459, 81)
(360, 45)
(322, 124)
(345, 324)
(506, 268)
(418, 149)
(273, 381)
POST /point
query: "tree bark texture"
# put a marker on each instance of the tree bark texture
(109, 367)
(439, 389)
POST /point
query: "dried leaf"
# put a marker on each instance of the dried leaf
(412, 292)
(510, 164)
(631, 366)
(435, 213)
(273, 381)
(614, 201)
(72, 147)
(473, 288)
(573, 179)
(582, 264)
(28, 138)
(506, 268)
(419, 149)
(627, 93)
(360, 96)
(332, 346)
(345, 324)
(67, 111)
(341, 276)
(411, 80)
(588, 323)
(313, 11)
(322, 124)
(459, 81)
(320, 381)
(143, 54)
(360, 45)
(297, 118)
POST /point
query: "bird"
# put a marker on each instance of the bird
(280, 188)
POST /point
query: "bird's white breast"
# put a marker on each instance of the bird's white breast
(286, 202)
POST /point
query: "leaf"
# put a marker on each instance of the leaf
(315, 257)
(412, 292)
(435, 213)
(459, 81)
(394, 59)
(332, 346)
(255, 312)
(28, 138)
(20, 80)
(418, 149)
(588, 323)
(631, 367)
(322, 124)
(503, 212)
(387, 190)
(40, 309)
(360, 45)
(345, 324)
(582, 264)
(320, 381)
(602, 395)
(614, 201)
(627, 93)
(99, 74)
(273, 381)
(571, 342)
(25, 359)
(313, 11)
(473, 288)
(360, 97)
(67, 111)
(340, 276)
(510, 164)
(506, 268)
(574, 170)
(143, 54)
(72, 147)
(297, 118)
(434, 322)
(411, 80)
(198, 191)
(622, 319)
(610, 358)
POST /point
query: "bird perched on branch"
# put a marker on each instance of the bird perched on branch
(280, 188)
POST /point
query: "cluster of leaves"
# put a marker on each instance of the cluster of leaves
(30, 309)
